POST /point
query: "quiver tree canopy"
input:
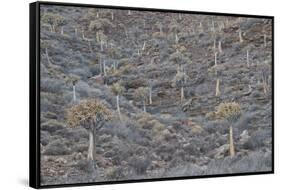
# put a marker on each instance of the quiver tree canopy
(117, 89)
(229, 111)
(87, 113)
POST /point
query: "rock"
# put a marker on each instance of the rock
(50, 115)
(244, 137)
(61, 161)
(78, 156)
(221, 151)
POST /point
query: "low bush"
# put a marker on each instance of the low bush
(254, 162)
(51, 85)
(115, 173)
(52, 125)
(57, 147)
(139, 164)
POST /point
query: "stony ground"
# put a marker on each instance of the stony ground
(172, 138)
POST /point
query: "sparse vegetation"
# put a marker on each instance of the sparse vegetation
(181, 84)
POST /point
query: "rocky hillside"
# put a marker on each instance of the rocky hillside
(186, 65)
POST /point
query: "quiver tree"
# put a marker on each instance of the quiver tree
(175, 29)
(178, 58)
(179, 81)
(151, 83)
(92, 115)
(101, 26)
(240, 35)
(159, 25)
(54, 20)
(118, 90)
(201, 28)
(115, 54)
(265, 81)
(72, 80)
(44, 45)
(142, 93)
(230, 112)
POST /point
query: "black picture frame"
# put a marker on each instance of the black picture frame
(34, 93)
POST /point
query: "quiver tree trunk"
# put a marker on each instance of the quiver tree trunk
(76, 32)
(214, 46)
(240, 36)
(216, 58)
(143, 47)
(104, 68)
(144, 107)
(201, 29)
(248, 62)
(219, 46)
(150, 95)
(118, 106)
(101, 45)
(176, 39)
(101, 70)
(53, 28)
(218, 88)
(83, 35)
(182, 94)
(213, 26)
(231, 142)
(90, 47)
(47, 55)
(264, 83)
(114, 66)
(92, 145)
(62, 31)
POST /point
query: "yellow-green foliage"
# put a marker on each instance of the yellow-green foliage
(44, 44)
(87, 111)
(72, 79)
(143, 117)
(228, 110)
(123, 70)
(148, 122)
(100, 24)
(142, 92)
(117, 89)
(157, 127)
(53, 19)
